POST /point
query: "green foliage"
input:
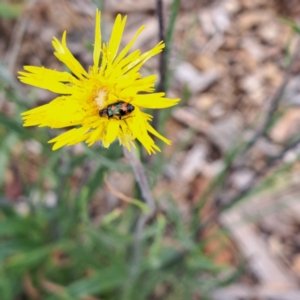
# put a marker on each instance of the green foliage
(9, 11)
(292, 24)
(85, 260)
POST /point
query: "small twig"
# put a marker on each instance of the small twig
(120, 195)
(274, 101)
(117, 193)
(17, 37)
(142, 181)
(169, 37)
(162, 58)
(269, 165)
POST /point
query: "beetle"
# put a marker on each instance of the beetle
(117, 110)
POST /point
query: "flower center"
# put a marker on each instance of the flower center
(101, 98)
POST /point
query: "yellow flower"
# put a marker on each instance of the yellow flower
(95, 101)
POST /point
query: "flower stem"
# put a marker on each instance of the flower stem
(140, 176)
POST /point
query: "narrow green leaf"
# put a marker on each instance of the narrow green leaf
(10, 11)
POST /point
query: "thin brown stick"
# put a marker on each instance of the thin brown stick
(161, 37)
(117, 193)
(244, 192)
(162, 58)
(275, 101)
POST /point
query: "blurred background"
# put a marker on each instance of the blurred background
(227, 219)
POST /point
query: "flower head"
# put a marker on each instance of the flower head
(103, 103)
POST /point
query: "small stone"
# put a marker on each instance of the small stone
(204, 101)
(196, 81)
(193, 163)
(241, 179)
(226, 131)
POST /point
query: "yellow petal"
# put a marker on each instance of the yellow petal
(112, 130)
(48, 79)
(148, 143)
(64, 55)
(154, 132)
(69, 137)
(60, 112)
(80, 138)
(97, 45)
(48, 74)
(128, 46)
(154, 101)
(136, 65)
(137, 123)
(145, 84)
(97, 134)
(124, 62)
(104, 61)
(116, 37)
